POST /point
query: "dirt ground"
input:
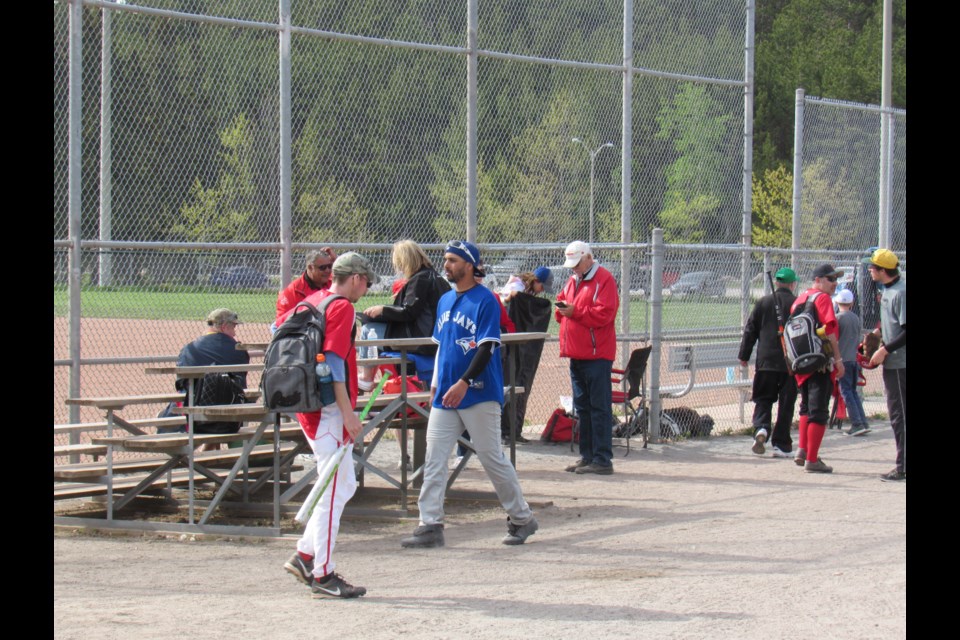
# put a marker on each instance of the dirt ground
(699, 539)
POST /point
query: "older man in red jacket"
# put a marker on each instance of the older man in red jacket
(586, 310)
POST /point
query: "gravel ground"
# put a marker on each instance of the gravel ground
(699, 539)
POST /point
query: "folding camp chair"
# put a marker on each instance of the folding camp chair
(629, 395)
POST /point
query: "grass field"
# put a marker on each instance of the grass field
(255, 306)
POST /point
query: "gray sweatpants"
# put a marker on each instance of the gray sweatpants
(443, 429)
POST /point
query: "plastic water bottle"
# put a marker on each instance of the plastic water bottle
(325, 380)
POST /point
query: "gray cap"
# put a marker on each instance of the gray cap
(221, 316)
(351, 263)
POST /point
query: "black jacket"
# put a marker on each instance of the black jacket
(762, 328)
(414, 309)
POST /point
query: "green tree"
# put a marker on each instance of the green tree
(773, 208)
(225, 212)
(697, 126)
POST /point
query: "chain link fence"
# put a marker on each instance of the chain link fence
(840, 164)
(193, 197)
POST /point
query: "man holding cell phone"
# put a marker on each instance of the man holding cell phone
(586, 310)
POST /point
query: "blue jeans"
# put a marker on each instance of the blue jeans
(848, 389)
(593, 400)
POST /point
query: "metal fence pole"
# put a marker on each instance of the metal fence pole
(472, 120)
(797, 175)
(75, 136)
(747, 225)
(106, 138)
(656, 323)
(886, 122)
(286, 230)
(626, 178)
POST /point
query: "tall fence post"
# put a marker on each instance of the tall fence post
(886, 124)
(797, 176)
(106, 152)
(286, 197)
(472, 120)
(75, 135)
(747, 223)
(656, 324)
(626, 163)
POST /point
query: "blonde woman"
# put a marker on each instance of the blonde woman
(413, 312)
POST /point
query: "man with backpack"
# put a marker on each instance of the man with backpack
(816, 388)
(771, 381)
(332, 426)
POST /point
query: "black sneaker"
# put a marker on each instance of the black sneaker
(301, 569)
(426, 536)
(894, 476)
(334, 586)
(600, 470)
(518, 533)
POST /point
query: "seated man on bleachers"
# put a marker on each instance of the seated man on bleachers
(216, 347)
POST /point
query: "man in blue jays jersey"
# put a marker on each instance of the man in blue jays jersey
(467, 391)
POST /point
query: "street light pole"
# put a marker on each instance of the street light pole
(593, 159)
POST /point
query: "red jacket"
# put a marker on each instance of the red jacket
(589, 333)
(297, 290)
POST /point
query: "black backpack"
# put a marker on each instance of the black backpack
(289, 381)
(804, 348)
(217, 389)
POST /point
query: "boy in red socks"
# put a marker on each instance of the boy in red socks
(816, 388)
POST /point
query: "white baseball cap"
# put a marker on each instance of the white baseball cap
(575, 252)
(844, 296)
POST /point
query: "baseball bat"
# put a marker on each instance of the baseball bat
(333, 465)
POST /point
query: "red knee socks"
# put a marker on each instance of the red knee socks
(803, 432)
(814, 438)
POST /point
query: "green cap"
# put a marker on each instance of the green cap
(786, 274)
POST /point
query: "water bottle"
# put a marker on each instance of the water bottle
(325, 380)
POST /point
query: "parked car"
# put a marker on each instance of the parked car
(240, 277)
(698, 283)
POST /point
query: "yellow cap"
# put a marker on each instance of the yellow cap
(885, 259)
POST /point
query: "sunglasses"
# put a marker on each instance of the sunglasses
(322, 267)
(831, 278)
(456, 244)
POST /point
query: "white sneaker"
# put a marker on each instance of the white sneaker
(780, 453)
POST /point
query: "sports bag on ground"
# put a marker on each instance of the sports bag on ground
(804, 348)
(559, 428)
(289, 381)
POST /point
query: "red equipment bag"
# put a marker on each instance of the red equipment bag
(559, 428)
(413, 386)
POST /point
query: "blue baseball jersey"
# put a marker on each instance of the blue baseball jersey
(465, 321)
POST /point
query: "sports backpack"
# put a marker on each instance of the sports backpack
(804, 348)
(289, 381)
(218, 389)
(559, 428)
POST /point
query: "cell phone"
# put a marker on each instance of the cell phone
(561, 304)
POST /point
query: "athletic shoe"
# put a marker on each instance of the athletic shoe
(301, 569)
(859, 430)
(426, 536)
(758, 441)
(518, 533)
(817, 467)
(801, 457)
(580, 463)
(334, 586)
(600, 470)
(779, 453)
(894, 476)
